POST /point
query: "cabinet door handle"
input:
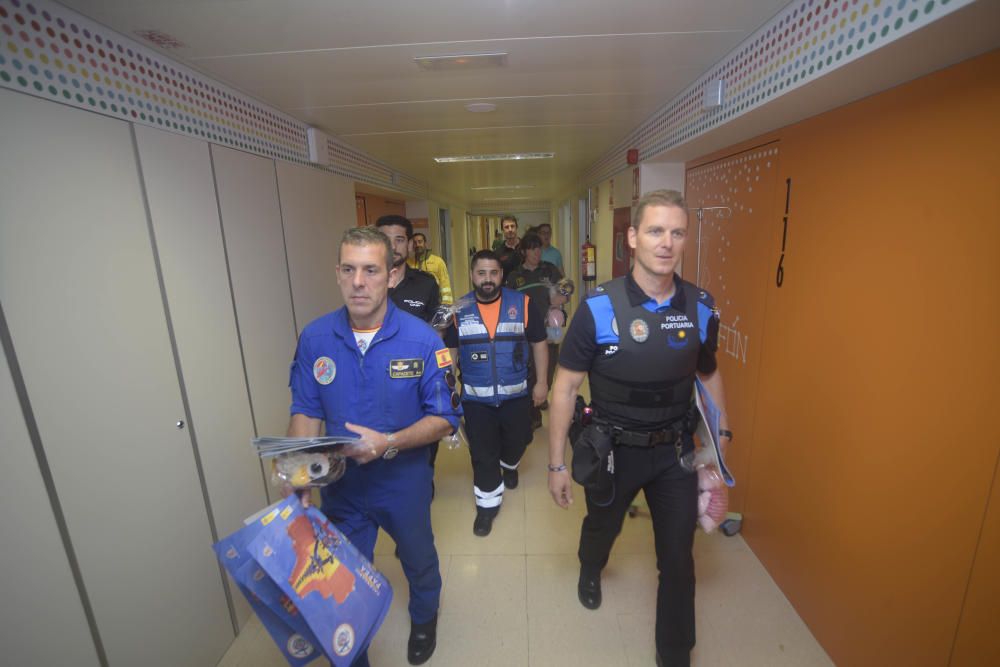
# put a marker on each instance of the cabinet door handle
(180, 423)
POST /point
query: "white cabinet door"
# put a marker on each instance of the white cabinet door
(251, 220)
(317, 207)
(177, 172)
(80, 292)
(37, 582)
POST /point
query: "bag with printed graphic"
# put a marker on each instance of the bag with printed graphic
(339, 594)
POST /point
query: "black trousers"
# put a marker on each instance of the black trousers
(498, 437)
(672, 495)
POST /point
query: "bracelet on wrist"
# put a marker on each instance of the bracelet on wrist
(558, 468)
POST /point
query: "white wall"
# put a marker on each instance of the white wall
(147, 279)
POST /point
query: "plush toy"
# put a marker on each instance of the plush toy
(445, 314)
(713, 498)
(309, 467)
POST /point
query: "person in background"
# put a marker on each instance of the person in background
(494, 333)
(535, 278)
(642, 339)
(372, 370)
(509, 252)
(424, 260)
(550, 253)
(412, 290)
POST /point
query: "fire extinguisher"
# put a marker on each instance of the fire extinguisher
(588, 262)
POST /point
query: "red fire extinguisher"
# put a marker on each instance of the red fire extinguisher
(588, 262)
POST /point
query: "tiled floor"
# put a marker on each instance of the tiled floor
(510, 598)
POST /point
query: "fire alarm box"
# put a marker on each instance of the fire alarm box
(632, 157)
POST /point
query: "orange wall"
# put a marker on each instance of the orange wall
(870, 446)
(374, 207)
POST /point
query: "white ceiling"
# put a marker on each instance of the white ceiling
(581, 74)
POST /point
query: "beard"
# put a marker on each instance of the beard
(487, 291)
(398, 260)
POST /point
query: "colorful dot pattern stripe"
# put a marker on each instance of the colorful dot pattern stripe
(806, 40)
(50, 51)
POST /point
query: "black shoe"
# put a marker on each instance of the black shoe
(510, 478)
(589, 590)
(484, 522)
(423, 641)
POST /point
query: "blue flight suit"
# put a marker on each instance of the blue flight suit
(400, 379)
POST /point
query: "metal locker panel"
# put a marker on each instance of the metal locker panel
(80, 292)
(251, 221)
(177, 173)
(317, 207)
(37, 582)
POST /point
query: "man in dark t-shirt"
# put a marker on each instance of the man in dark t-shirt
(535, 278)
(509, 252)
(410, 289)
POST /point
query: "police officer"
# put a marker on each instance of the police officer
(371, 370)
(411, 289)
(493, 333)
(642, 339)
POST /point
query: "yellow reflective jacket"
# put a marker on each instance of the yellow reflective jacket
(435, 266)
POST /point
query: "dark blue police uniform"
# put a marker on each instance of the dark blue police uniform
(642, 357)
(400, 379)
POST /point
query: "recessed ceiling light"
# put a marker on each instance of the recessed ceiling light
(480, 107)
(465, 61)
(503, 187)
(495, 156)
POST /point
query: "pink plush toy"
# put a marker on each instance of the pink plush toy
(713, 498)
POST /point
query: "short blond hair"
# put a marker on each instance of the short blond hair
(657, 198)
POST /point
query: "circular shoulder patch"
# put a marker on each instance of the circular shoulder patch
(638, 330)
(324, 370)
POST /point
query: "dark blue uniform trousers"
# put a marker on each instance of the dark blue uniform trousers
(394, 495)
(672, 495)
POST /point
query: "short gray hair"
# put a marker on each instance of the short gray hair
(363, 236)
(657, 198)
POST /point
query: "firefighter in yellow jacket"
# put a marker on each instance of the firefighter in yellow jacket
(423, 259)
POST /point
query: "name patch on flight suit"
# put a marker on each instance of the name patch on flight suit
(480, 356)
(406, 368)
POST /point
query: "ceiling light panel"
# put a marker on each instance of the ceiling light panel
(503, 187)
(494, 157)
(460, 62)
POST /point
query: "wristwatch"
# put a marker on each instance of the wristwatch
(391, 450)
(725, 433)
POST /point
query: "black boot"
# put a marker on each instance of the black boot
(589, 589)
(509, 478)
(484, 520)
(423, 641)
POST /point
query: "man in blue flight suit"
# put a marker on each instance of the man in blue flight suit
(493, 333)
(642, 339)
(371, 370)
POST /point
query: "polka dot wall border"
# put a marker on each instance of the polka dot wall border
(51, 52)
(806, 40)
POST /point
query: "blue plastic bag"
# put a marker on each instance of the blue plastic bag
(316, 588)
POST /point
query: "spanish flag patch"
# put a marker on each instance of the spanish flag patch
(443, 358)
